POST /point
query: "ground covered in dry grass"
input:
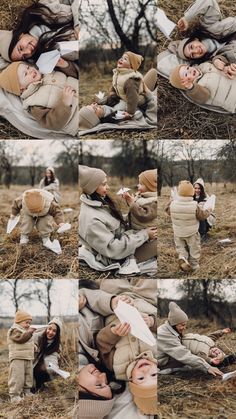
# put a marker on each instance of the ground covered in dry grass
(34, 261)
(177, 117)
(58, 400)
(217, 260)
(195, 394)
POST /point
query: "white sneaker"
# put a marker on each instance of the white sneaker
(16, 399)
(129, 267)
(24, 239)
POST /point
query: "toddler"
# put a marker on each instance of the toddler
(94, 114)
(52, 99)
(37, 206)
(185, 215)
(21, 355)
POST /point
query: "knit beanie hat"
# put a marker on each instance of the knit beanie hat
(34, 200)
(135, 60)
(51, 169)
(145, 398)
(175, 78)
(5, 40)
(87, 118)
(9, 79)
(181, 46)
(90, 178)
(94, 409)
(21, 316)
(149, 179)
(176, 315)
(56, 321)
(200, 181)
(185, 188)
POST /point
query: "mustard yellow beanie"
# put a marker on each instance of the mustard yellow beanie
(149, 179)
(34, 201)
(135, 60)
(9, 79)
(185, 188)
(21, 316)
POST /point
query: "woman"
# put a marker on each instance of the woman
(48, 348)
(201, 196)
(171, 353)
(37, 30)
(51, 184)
(102, 229)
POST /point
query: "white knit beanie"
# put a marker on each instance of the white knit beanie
(56, 321)
(90, 178)
(176, 315)
(200, 181)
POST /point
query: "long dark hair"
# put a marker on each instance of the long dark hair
(54, 346)
(111, 204)
(202, 195)
(49, 181)
(39, 14)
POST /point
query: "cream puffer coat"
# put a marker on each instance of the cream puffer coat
(183, 215)
(120, 77)
(169, 346)
(103, 235)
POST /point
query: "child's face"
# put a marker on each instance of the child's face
(27, 74)
(103, 189)
(24, 48)
(188, 73)
(98, 109)
(94, 381)
(142, 188)
(144, 373)
(195, 49)
(25, 324)
(197, 189)
(51, 331)
(124, 62)
(216, 353)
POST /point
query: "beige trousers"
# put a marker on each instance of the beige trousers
(20, 377)
(43, 224)
(189, 247)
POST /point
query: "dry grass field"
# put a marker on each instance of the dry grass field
(217, 261)
(188, 395)
(34, 261)
(58, 399)
(177, 117)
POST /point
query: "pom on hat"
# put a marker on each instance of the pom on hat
(185, 188)
(90, 178)
(9, 79)
(135, 60)
(176, 315)
(87, 118)
(149, 179)
(22, 316)
(34, 200)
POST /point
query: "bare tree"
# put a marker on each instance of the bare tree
(44, 295)
(69, 158)
(17, 293)
(8, 157)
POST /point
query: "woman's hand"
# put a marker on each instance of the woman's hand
(121, 329)
(215, 371)
(82, 302)
(149, 320)
(152, 233)
(67, 95)
(182, 24)
(227, 330)
(125, 298)
(61, 63)
(129, 198)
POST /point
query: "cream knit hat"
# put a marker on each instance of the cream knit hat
(176, 315)
(87, 118)
(9, 79)
(200, 181)
(21, 316)
(181, 46)
(135, 60)
(94, 409)
(34, 200)
(5, 40)
(57, 321)
(185, 188)
(149, 179)
(90, 178)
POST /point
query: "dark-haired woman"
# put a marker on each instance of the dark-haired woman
(200, 196)
(48, 348)
(51, 184)
(38, 29)
(102, 228)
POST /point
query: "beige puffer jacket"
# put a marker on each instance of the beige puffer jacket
(183, 216)
(20, 350)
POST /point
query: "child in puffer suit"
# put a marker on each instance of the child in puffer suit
(185, 215)
(37, 206)
(21, 354)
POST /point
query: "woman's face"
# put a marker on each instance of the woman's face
(144, 373)
(94, 381)
(181, 327)
(24, 48)
(195, 49)
(51, 331)
(197, 189)
(48, 173)
(103, 189)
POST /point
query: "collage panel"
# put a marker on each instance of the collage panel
(196, 67)
(196, 348)
(117, 348)
(38, 348)
(39, 209)
(118, 209)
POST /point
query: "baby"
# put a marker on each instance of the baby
(52, 99)
(94, 114)
(21, 355)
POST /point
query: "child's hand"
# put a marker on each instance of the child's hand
(182, 24)
(227, 330)
(129, 198)
(82, 302)
(230, 71)
(67, 95)
(218, 63)
(125, 298)
(152, 233)
(149, 320)
(61, 63)
(121, 329)
(31, 329)
(188, 84)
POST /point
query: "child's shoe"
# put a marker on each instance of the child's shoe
(184, 264)
(16, 399)
(24, 239)
(27, 393)
(129, 267)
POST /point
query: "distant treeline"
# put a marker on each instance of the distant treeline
(7, 321)
(21, 175)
